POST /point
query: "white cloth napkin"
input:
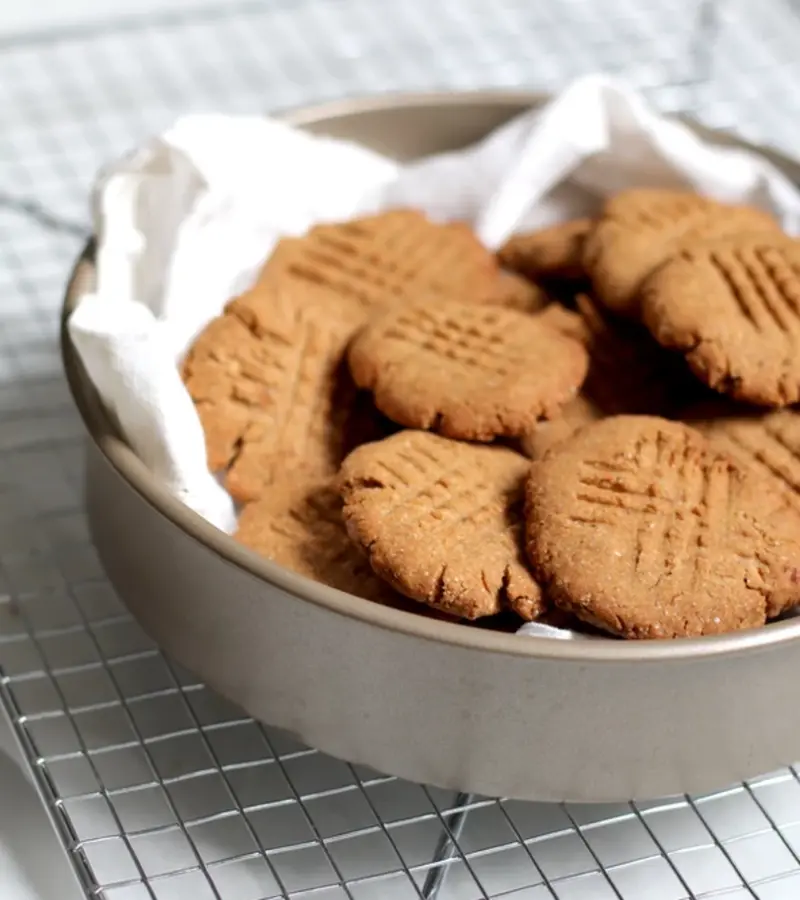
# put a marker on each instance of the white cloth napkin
(185, 222)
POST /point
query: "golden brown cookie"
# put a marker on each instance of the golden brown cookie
(567, 321)
(466, 370)
(394, 256)
(769, 442)
(583, 408)
(276, 398)
(441, 521)
(547, 434)
(640, 229)
(549, 253)
(628, 371)
(256, 306)
(732, 308)
(305, 533)
(638, 526)
(515, 292)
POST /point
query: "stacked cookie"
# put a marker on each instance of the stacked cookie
(375, 399)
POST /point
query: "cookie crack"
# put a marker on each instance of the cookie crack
(236, 451)
(367, 482)
(436, 422)
(504, 594)
(437, 595)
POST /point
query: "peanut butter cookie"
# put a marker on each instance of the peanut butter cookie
(388, 258)
(638, 526)
(550, 253)
(304, 532)
(640, 229)
(515, 292)
(276, 397)
(465, 370)
(732, 308)
(441, 521)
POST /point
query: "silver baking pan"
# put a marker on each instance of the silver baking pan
(432, 701)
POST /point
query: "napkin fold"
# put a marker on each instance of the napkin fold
(185, 222)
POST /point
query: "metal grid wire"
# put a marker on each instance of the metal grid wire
(161, 790)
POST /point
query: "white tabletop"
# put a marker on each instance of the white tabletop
(48, 15)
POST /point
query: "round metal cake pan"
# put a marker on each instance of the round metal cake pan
(431, 701)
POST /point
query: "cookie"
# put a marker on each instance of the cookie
(465, 370)
(441, 521)
(276, 285)
(549, 253)
(638, 526)
(629, 372)
(388, 258)
(769, 443)
(640, 229)
(547, 434)
(515, 292)
(275, 399)
(567, 321)
(305, 533)
(732, 308)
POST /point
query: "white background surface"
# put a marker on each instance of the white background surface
(21, 18)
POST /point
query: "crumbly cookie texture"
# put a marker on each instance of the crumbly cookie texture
(441, 521)
(639, 526)
(515, 292)
(305, 532)
(640, 229)
(548, 434)
(275, 397)
(649, 501)
(732, 308)
(550, 253)
(629, 372)
(568, 321)
(767, 442)
(389, 258)
(465, 370)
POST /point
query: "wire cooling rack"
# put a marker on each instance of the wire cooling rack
(159, 789)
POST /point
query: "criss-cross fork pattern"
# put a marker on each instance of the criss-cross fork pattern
(375, 260)
(674, 504)
(764, 283)
(771, 445)
(454, 500)
(478, 340)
